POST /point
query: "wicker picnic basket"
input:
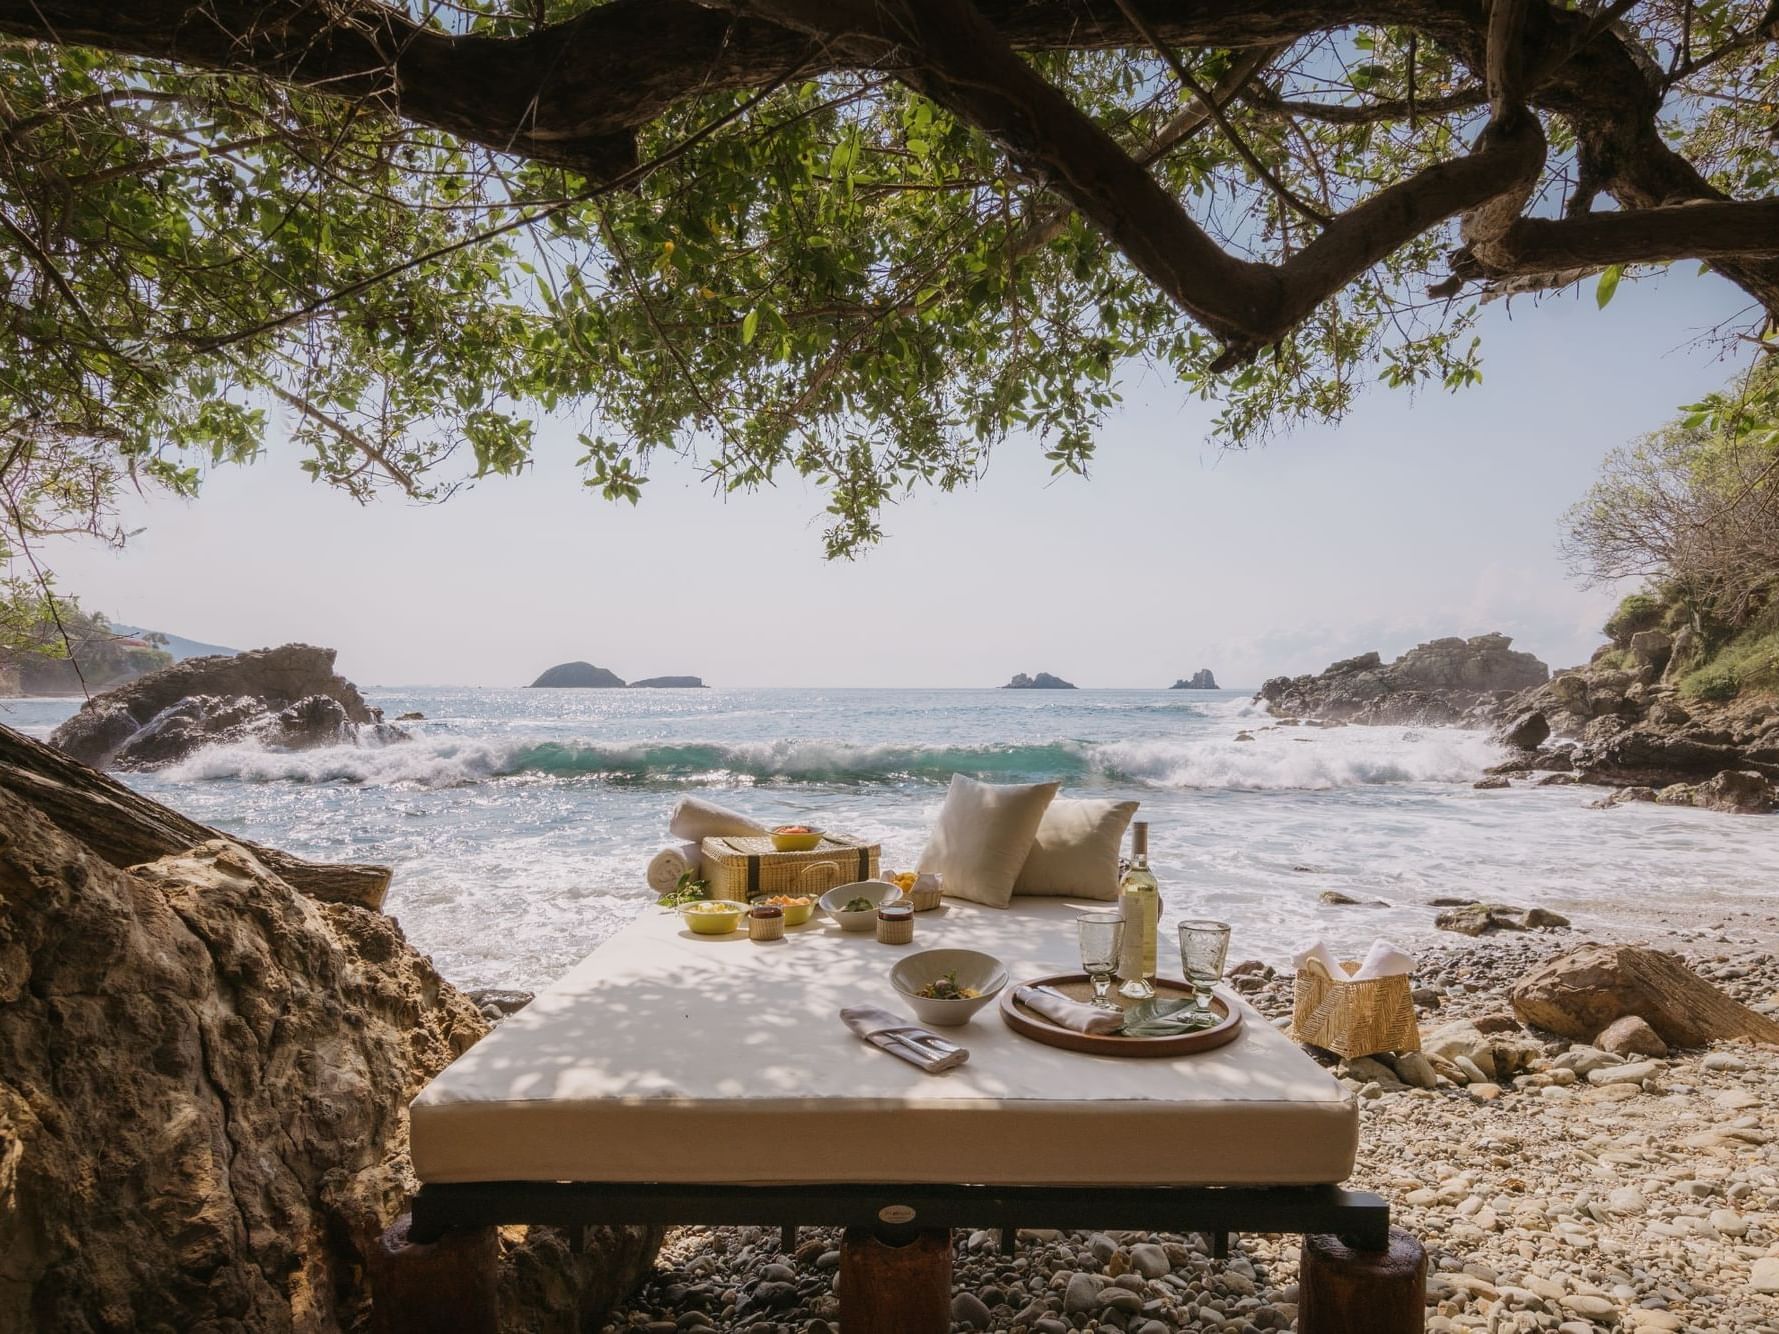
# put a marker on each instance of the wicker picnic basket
(743, 869)
(1352, 1018)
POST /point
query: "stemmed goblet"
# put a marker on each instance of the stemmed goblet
(1204, 949)
(1102, 938)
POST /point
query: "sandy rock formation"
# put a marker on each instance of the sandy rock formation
(289, 697)
(204, 1080)
(1582, 992)
(1433, 684)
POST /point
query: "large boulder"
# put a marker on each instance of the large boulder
(204, 1080)
(289, 697)
(1583, 991)
(577, 676)
(1042, 681)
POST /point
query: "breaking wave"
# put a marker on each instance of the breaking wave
(1273, 759)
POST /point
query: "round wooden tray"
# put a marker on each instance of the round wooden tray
(1023, 1020)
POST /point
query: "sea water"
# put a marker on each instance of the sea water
(519, 821)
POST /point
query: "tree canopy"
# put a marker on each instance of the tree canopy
(863, 240)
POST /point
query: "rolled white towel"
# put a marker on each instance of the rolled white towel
(1385, 960)
(669, 864)
(1322, 955)
(696, 819)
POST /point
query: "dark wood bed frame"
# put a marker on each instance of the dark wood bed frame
(435, 1269)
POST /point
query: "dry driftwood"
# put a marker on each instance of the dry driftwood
(126, 828)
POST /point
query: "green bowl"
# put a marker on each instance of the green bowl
(702, 921)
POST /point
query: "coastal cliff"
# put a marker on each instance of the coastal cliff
(1655, 713)
(204, 1081)
(1432, 684)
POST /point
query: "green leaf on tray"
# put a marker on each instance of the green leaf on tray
(1164, 1018)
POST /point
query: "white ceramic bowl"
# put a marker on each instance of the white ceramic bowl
(879, 892)
(973, 968)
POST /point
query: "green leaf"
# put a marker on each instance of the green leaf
(750, 325)
(1608, 284)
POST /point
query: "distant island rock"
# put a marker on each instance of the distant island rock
(288, 697)
(578, 676)
(1199, 680)
(1042, 681)
(670, 683)
(1433, 684)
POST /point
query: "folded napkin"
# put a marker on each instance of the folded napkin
(669, 864)
(1382, 960)
(880, 1028)
(1081, 1017)
(695, 819)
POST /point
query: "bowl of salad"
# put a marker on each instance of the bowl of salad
(795, 837)
(855, 906)
(945, 988)
(712, 917)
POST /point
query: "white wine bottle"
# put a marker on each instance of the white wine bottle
(1140, 896)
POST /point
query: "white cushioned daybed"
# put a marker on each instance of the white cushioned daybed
(687, 1066)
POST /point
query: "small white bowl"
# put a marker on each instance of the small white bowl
(879, 892)
(984, 972)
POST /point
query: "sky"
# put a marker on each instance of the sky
(1415, 517)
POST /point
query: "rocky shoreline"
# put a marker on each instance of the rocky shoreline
(1621, 722)
(1545, 1201)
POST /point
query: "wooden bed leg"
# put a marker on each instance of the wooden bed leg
(1009, 1240)
(1348, 1291)
(443, 1287)
(787, 1239)
(895, 1289)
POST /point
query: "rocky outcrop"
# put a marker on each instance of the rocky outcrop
(204, 1080)
(1042, 681)
(578, 676)
(1480, 919)
(669, 683)
(1199, 680)
(287, 697)
(1581, 993)
(1434, 684)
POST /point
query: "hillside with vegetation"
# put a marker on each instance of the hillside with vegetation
(62, 650)
(1693, 508)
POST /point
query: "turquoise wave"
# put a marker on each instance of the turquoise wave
(794, 762)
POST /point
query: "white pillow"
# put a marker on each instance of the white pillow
(1076, 849)
(983, 836)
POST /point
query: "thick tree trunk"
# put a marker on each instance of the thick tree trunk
(126, 828)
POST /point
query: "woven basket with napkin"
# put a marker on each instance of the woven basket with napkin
(1356, 1009)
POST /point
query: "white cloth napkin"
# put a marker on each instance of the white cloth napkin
(669, 864)
(1385, 960)
(1382, 960)
(879, 1027)
(1081, 1017)
(695, 819)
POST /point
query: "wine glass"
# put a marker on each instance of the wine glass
(1102, 939)
(1204, 949)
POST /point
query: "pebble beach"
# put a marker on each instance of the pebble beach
(1585, 1192)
